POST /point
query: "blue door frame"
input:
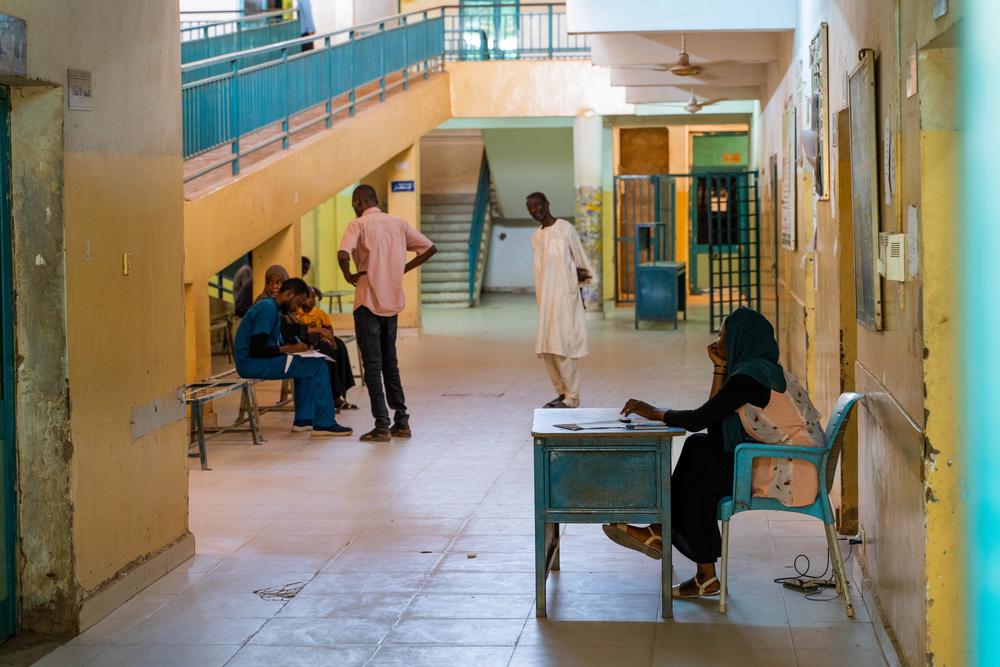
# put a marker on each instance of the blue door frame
(8, 514)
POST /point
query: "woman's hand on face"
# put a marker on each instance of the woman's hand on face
(713, 354)
(645, 410)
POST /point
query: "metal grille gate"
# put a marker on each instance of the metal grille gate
(726, 220)
(641, 199)
(725, 233)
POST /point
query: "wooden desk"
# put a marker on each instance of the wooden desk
(598, 476)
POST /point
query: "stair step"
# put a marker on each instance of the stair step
(451, 216)
(451, 256)
(447, 198)
(452, 246)
(447, 235)
(445, 277)
(447, 298)
(437, 288)
(436, 265)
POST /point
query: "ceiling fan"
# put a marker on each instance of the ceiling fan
(694, 106)
(682, 67)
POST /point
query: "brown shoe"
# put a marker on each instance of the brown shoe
(377, 435)
(400, 432)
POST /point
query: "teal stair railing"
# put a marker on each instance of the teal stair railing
(480, 210)
(216, 38)
(229, 96)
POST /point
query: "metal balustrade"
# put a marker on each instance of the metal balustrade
(227, 97)
(217, 38)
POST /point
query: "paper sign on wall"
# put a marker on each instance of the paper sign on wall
(912, 243)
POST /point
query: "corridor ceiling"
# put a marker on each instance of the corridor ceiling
(731, 44)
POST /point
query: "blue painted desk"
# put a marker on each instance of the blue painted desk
(597, 476)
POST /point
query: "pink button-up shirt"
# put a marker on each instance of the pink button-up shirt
(378, 243)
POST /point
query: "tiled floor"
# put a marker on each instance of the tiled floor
(420, 552)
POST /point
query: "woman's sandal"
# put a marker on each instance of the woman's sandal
(702, 588)
(618, 533)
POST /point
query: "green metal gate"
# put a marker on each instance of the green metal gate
(8, 525)
(726, 227)
(640, 200)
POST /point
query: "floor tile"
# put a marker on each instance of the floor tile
(547, 632)
(302, 656)
(430, 605)
(681, 656)
(334, 583)
(356, 560)
(169, 655)
(434, 656)
(836, 658)
(350, 605)
(72, 655)
(476, 631)
(322, 632)
(170, 629)
(836, 636)
(581, 656)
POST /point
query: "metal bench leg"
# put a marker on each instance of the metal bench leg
(199, 420)
(251, 417)
(255, 411)
(839, 571)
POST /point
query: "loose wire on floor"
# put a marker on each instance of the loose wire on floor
(822, 583)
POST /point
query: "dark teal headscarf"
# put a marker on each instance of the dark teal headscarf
(750, 350)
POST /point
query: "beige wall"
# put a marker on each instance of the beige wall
(124, 341)
(898, 556)
(450, 161)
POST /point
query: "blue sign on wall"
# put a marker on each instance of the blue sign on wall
(404, 186)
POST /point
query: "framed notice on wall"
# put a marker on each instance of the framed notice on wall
(788, 157)
(819, 116)
(864, 190)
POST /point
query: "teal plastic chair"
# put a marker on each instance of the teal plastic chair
(825, 460)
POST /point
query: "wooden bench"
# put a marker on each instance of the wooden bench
(197, 394)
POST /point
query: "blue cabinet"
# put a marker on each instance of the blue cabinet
(660, 291)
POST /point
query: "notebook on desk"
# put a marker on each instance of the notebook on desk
(626, 424)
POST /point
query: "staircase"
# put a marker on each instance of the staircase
(446, 219)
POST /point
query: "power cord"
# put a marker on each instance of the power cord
(822, 583)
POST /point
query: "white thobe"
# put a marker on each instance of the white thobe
(558, 253)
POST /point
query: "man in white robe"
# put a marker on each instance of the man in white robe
(561, 266)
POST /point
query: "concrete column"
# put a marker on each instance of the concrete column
(406, 204)
(587, 168)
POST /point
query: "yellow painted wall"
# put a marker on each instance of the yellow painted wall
(125, 334)
(516, 88)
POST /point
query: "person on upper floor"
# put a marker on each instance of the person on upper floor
(752, 399)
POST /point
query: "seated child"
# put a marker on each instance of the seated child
(320, 334)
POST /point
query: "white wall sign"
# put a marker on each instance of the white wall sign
(912, 243)
(79, 87)
(788, 200)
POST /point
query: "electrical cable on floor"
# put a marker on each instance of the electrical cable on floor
(821, 583)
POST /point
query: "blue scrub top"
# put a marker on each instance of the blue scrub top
(263, 317)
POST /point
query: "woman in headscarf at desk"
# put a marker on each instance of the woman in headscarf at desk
(752, 399)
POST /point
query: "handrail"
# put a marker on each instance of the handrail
(244, 18)
(479, 211)
(300, 41)
(227, 97)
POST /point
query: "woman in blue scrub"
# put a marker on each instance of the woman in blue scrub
(261, 353)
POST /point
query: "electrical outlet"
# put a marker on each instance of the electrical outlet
(861, 536)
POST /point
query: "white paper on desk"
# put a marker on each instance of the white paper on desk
(308, 354)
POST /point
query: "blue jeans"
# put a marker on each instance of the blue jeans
(377, 344)
(313, 398)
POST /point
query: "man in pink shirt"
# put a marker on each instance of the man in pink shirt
(378, 243)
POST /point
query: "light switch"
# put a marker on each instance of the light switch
(126, 263)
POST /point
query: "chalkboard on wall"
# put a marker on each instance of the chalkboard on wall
(864, 187)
